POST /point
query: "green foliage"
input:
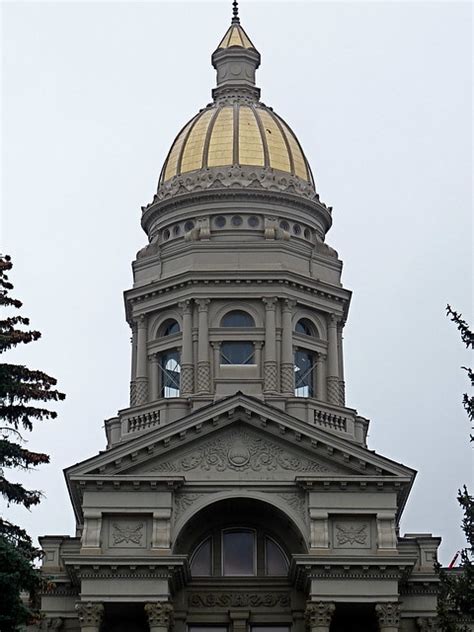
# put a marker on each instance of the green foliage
(20, 388)
(456, 595)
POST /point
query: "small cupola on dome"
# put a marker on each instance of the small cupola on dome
(236, 130)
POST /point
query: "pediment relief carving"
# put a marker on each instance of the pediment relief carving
(241, 450)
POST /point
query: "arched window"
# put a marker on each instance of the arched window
(169, 327)
(238, 552)
(305, 327)
(170, 370)
(305, 365)
(237, 318)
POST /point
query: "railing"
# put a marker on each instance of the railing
(143, 421)
(331, 419)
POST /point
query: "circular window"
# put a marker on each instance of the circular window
(166, 234)
(220, 221)
(176, 230)
(297, 229)
(284, 225)
(189, 226)
(253, 221)
(236, 220)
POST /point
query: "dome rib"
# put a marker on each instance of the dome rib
(285, 139)
(185, 141)
(266, 153)
(205, 154)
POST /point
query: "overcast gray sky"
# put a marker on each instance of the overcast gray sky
(378, 93)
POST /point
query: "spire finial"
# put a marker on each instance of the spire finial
(235, 12)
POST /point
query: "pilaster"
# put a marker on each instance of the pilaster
(90, 615)
(318, 615)
(388, 616)
(333, 388)
(161, 541)
(160, 616)
(203, 365)
(287, 359)
(321, 377)
(270, 364)
(187, 365)
(141, 382)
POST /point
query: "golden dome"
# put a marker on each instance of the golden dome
(241, 134)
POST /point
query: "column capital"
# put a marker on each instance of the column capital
(140, 321)
(159, 613)
(185, 306)
(258, 344)
(321, 357)
(203, 304)
(332, 320)
(388, 614)
(270, 303)
(216, 344)
(319, 613)
(90, 613)
(288, 305)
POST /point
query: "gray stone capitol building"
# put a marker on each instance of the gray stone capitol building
(237, 492)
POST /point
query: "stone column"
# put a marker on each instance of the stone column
(90, 615)
(287, 354)
(133, 371)
(333, 363)
(318, 615)
(388, 616)
(160, 616)
(340, 357)
(187, 366)
(270, 364)
(203, 364)
(154, 377)
(216, 346)
(141, 380)
(321, 377)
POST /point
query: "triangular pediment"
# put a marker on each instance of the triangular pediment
(209, 437)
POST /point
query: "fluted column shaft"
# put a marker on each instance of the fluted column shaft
(287, 357)
(333, 395)
(142, 362)
(203, 381)
(187, 366)
(270, 364)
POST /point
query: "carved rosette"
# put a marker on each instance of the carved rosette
(318, 615)
(388, 615)
(270, 376)
(90, 614)
(160, 615)
(333, 390)
(203, 376)
(141, 391)
(287, 379)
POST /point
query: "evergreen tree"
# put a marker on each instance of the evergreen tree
(20, 389)
(456, 596)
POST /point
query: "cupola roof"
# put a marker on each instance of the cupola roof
(236, 129)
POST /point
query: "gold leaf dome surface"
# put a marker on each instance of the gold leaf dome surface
(244, 134)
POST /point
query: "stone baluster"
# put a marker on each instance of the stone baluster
(141, 380)
(187, 366)
(160, 616)
(388, 616)
(332, 380)
(154, 377)
(321, 377)
(203, 365)
(342, 384)
(318, 615)
(133, 371)
(90, 615)
(270, 364)
(287, 355)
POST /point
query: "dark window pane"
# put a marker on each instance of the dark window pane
(238, 553)
(237, 353)
(170, 370)
(275, 561)
(207, 628)
(303, 326)
(304, 373)
(201, 563)
(169, 327)
(237, 318)
(270, 628)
